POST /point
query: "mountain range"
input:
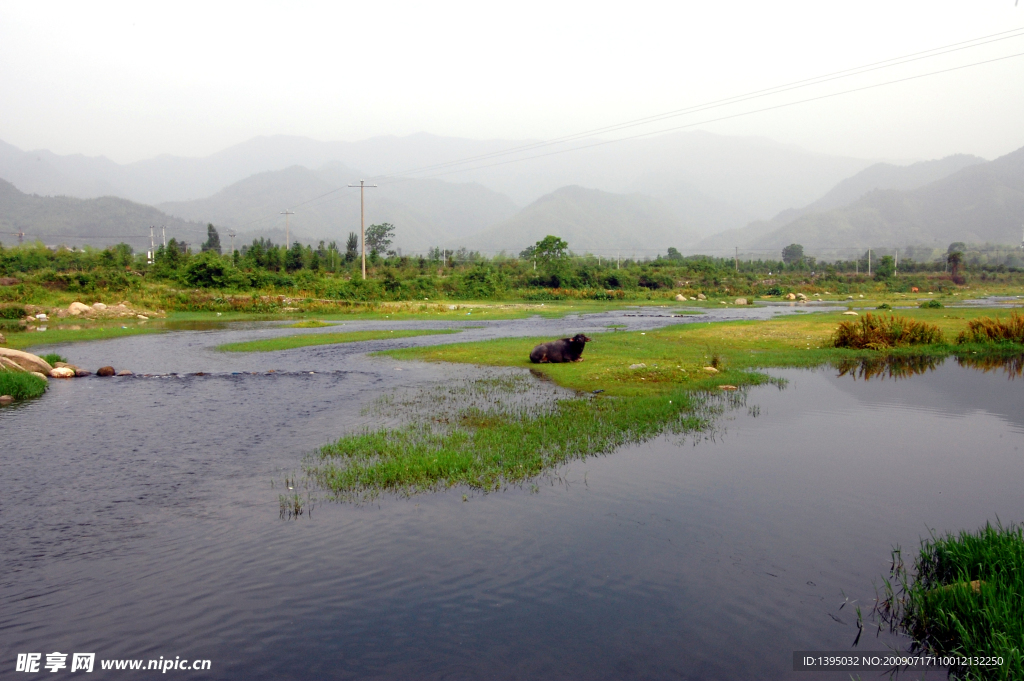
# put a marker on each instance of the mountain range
(695, 191)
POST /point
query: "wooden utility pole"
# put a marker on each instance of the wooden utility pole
(362, 218)
(287, 237)
(736, 258)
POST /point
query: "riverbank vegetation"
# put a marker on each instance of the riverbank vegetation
(988, 330)
(307, 340)
(21, 385)
(653, 377)
(962, 597)
(878, 332)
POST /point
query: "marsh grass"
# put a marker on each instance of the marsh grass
(877, 332)
(309, 324)
(965, 597)
(989, 330)
(21, 385)
(306, 340)
(52, 358)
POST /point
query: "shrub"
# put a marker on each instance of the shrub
(12, 312)
(876, 332)
(988, 330)
(52, 358)
(930, 305)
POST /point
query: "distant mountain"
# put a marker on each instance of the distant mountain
(425, 213)
(590, 220)
(879, 176)
(981, 203)
(98, 222)
(714, 181)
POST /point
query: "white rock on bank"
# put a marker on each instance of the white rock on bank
(77, 308)
(62, 372)
(851, 312)
(99, 306)
(740, 301)
(26, 360)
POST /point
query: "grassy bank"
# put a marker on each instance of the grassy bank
(21, 385)
(306, 340)
(963, 597)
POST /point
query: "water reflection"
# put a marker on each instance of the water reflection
(1013, 365)
(888, 367)
(898, 367)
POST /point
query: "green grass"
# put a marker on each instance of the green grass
(309, 324)
(964, 598)
(877, 332)
(488, 448)
(87, 332)
(306, 340)
(52, 358)
(21, 385)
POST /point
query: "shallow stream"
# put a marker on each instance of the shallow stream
(137, 520)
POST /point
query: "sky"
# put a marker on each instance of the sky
(135, 80)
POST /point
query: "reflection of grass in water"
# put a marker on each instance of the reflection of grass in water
(964, 599)
(289, 342)
(892, 366)
(486, 443)
(1013, 364)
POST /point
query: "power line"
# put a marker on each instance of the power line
(816, 80)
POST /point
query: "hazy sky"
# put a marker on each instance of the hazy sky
(133, 80)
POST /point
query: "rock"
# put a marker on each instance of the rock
(10, 365)
(3, 339)
(81, 373)
(801, 296)
(727, 387)
(77, 308)
(711, 370)
(851, 312)
(124, 372)
(693, 299)
(99, 306)
(40, 375)
(62, 372)
(142, 317)
(5, 400)
(105, 371)
(641, 365)
(26, 360)
(790, 296)
(680, 297)
(42, 316)
(862, 295)
(740, 301)
(701, 296)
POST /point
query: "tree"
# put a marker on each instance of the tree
(212, 240)
(352, 247)
(955, 259)
(792, 253)
(956, 246)
(378, 237)
(550, 250)
(673, 254)
(886, 267)
(294, 260)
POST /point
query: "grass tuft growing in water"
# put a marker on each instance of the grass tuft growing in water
(965, 598)
(877, 332)
(52, 358)
(21, 385)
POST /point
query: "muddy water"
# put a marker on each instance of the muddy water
(137, 520)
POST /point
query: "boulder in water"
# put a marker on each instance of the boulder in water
(105, 371)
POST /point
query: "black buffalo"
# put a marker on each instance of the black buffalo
(561, 350)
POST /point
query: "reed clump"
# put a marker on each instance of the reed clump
(21, 385)
(966, 599)
(878, 332)
(989, 330)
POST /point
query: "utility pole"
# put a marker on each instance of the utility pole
(362, 219)
(163, 233)
(287, 238)
(618, 257)
(896, 266)
(736, 257)
(231, 233)
(21, 236)
(869, 262)
(152, 246)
